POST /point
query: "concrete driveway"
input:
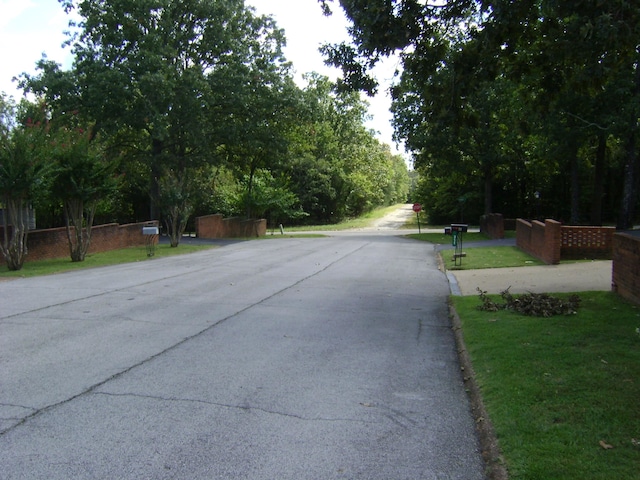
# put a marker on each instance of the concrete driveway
(584, 276)
(567, 277)
(274, 359)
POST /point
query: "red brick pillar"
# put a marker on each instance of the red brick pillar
(552, 241)
(626, 271)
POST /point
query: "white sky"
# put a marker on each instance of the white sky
(29, 28)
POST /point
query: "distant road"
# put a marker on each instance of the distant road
(396, 219)
(291, 358)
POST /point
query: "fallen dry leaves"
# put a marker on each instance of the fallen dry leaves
(605, 445)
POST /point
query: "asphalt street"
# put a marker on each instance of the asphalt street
(290, 358)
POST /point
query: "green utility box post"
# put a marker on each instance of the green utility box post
(457, 229)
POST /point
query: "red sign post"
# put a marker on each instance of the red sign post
(417, 208)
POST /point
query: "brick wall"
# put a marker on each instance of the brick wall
(586, 242)
(492, 225)
(551, 242)
(53, 243)
(542, 240)
(215, 226)
(626, 266)
(45, 244)
(509, 224)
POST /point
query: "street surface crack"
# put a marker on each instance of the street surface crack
(16, 417)
(166, 277)
(243, 407)
(11, 405)
(91, 389)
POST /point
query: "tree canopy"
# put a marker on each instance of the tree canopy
(24, 175)
(500, 100)
(192, 105)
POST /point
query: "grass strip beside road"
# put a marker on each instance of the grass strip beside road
(443, 239)
(113, 257)
(490, 257)
(563, 393)
(479, 257)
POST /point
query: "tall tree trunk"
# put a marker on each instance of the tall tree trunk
(575, 185)
(79, 223)
(630, 182)
(14, 247)
(629, 189)
(488, 191)
(172, 222)
(157, 147)
(175, 201)
(249, 205)
(598, 180)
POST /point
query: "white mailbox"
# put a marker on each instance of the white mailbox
(151, 236)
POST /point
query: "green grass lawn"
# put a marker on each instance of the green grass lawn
(491, 257)
(479, 257)
(113, 257)
(443, 239)
(560, 390)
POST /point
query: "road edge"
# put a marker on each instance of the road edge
(494, 461)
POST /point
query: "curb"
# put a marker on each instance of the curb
(490, 450)
(454, 288)
(453, 284)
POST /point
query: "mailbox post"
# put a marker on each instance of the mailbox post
(150, 239)
(457, 229)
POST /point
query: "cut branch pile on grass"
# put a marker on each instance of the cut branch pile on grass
(530, 304)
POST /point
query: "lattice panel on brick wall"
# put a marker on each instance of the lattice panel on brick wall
(585, 238)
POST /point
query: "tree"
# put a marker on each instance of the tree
(24, 172)
(175, 200)
(383, 27)
(148, 69)
(83, 178)
(195, 99)
(574, 56)
(335, 164)
(251, 124)
(314, 164)
(576, 63)
(272, 199)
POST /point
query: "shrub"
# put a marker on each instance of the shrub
(530, 304)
